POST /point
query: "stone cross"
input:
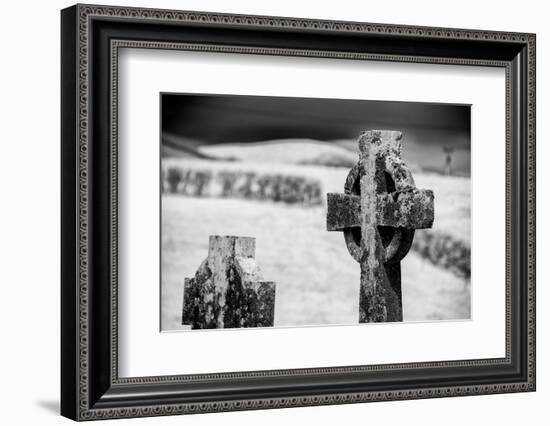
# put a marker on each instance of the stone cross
(227, 290)
(378, 214)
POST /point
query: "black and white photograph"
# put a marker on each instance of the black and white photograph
(290, 212)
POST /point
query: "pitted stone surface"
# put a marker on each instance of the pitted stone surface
(378, 214)
(227, 290)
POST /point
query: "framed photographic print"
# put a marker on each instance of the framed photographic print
(263, 212)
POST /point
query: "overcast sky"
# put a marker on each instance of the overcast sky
(215, 119)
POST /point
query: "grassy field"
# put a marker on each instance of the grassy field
(452, 193)
(317, 280)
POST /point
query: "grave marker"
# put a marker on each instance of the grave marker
(227, 290)
(378, 214)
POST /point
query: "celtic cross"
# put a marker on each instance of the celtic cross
(378, 214)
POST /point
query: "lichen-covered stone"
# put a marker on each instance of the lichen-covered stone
(412, 209)
(343, 211)
(227, 290)
(378, 214)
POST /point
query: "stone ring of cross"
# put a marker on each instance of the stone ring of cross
(396, 241)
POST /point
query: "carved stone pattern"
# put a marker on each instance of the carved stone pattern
(85, 12)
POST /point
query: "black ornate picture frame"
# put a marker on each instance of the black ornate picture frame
(90, 39)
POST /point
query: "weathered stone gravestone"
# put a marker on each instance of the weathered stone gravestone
(378, 213)
(227, 290)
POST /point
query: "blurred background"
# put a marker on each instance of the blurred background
(261, 167)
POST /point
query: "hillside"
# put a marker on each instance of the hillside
(288, 151)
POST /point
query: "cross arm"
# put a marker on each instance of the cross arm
(411, 209)
(343, 211)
